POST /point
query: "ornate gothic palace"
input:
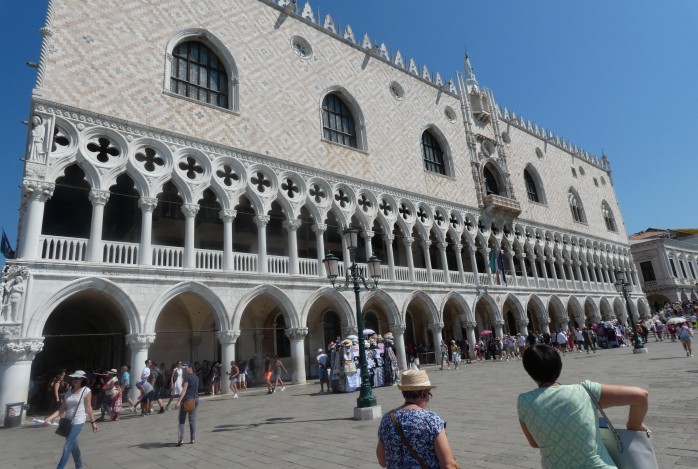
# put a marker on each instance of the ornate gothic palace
(190, 164)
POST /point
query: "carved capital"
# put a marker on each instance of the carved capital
(292, 224)
(98, 197)
(498, 322)
(367, 235)
(261, 220)
(190, 210)
(442, 245)
(296, 333)
(39, 190)
(147, 204)
(522, 322)
(408, 241)
(140, 341)
(389, 238)
(228, 337)
(319, 228)
(398, 329)
(458, 247)
(436, 327)
(470, 325)
(227, 215)
(20, 349)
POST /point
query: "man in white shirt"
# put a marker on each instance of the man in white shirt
(562, 342)
(579, 338)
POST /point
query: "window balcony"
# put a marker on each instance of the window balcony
(497, 203)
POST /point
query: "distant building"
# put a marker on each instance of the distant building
(190, 164)
(667, 261)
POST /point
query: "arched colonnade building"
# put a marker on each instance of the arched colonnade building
(171, 216)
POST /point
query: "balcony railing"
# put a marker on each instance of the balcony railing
(74, 250)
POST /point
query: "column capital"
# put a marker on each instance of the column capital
(349, 330)
(458, 247)
(398, 329)
(20, 349)
(367, 234)
(228, 337)
(227, 215)
(98, 197)
(443, 245)
(389, 238)
(498, 322)
(261, 220)
(470, 325)
(147, 204)
(292, 224)
(190, 210)
(296, 333)
(407, 241)
(522, 322)
(40, 190)
(426, 243)
(436, 326)
(140, 341)
(319, 228)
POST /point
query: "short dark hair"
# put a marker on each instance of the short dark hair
(414, 394)
(542, 363)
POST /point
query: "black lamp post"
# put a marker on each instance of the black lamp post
(354, 279)
(622, 287)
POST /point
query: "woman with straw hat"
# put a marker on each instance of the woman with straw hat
(412, 436)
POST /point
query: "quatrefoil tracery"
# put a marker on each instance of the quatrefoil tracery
(150, 159)
(342, 198)
(385, 207)
(60, 140)
(317, 193)
(261, 181)
(191, 167)
(365, 203)
(103, 149)
(227, 175)
(290, 187)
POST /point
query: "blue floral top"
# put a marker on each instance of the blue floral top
(421, 428)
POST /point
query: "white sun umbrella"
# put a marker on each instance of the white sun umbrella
(353, 337)
(369, 331)
(676, 320)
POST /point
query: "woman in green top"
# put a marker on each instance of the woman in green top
(562, 420)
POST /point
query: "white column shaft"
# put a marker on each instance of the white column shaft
(298, 361)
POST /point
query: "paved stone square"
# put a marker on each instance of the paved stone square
(302, 428)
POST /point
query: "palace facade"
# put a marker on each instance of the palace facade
(190, 163)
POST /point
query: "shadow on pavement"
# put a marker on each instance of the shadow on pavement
(271, 421)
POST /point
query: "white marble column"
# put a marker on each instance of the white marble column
(544, 271)
(388, 240)
(522, 265)
(545, 325)
(407, 241)
(139, 344)
(470, 333)
(261, 222)
(437, 336)
(227, 216)
(99, 199)
(297, 337)
(553, 271)
(578, 270)
(427, 259)
(346, 256)
(189, 211)
(398, 331)
(36, 193)
(488, 269)
(473, 262)
(522, 325)
(512, 268)
(147, 206)
(319, 230)
(292, 229)
(457, 249)
(368, 236)
(227, 339)
(534, 269)
(444, 260)
(498, 328)
(16, 356)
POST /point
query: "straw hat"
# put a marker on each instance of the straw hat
(414, 380)
(347, 343)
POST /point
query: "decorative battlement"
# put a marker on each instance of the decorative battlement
(380, 51)
(526, 125)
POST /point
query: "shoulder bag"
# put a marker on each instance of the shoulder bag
(65, 424)
(407, 444)
(189, 405)
(629, 449)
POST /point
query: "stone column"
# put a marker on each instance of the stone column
(139, 344)
(261, 222)
(498, 328)
(522, 264)
(16, 356)
(473, 262)
(147, 205)
(388, 240)
(407, 241)
(578, 270)
(227, 216)
(470, 333)
(437, 336)
(292, 228)
(457, 249)
(36, 193)
(368, 236)
(398, 331)
(189, 211)
(427, 259)
(534, 268)
(319, 230)
(551, 263)
(346, 255)
(545, 325)
(522, 326)
(297, 338)
(444, 260)
(565, 323)
(227, 339)
(544, 272)
(488, 269)
(99, 200)
(512, 268)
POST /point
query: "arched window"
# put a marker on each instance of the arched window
(199, 74)
(432, 154)
(576, 207)
(282, 344)
(491, 186)
(338, 122)
(608, 217)
(531, 188)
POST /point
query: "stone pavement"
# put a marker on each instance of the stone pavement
(301, 428)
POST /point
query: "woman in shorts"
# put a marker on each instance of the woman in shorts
(685, 336)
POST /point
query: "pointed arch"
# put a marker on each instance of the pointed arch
(425, 299)
(385, 300)
(490, 306)
(466, 314)
(339, 300)
(200, 290)
(287, 307)
(339, 102)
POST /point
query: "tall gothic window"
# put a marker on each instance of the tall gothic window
(608, 217)
(338, 122)
(432, 154)
(531, 188)
(197, 73)
(576, 207)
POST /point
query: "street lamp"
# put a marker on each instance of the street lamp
(366, 404)
(622, 287)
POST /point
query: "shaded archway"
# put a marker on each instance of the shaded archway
(69, 211)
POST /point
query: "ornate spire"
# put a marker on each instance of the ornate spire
(470, 79)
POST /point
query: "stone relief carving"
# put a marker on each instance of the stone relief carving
(12, 289)
(20, 349)
(37, 145)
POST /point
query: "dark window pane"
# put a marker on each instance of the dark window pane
(194, 63)
(338, 122)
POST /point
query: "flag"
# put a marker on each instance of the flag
(5, 247)
(493, 260)
(500, 266)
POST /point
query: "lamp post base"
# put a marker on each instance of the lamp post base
(640, 350)
(368, 413)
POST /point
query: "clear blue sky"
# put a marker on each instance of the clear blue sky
(618, 75)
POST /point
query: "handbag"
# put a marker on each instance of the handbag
(65, 424)
(629, 449)
(189, 406)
